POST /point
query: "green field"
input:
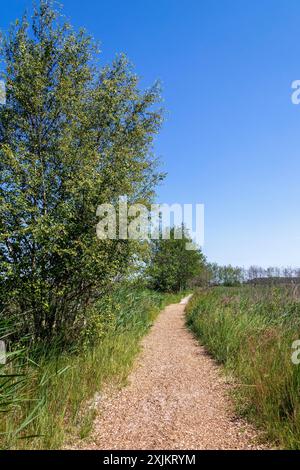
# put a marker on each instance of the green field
(250, 330)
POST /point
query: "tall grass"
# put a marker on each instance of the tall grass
(60, 384)
(251, 330)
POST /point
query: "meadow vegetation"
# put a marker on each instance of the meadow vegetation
(250, 330)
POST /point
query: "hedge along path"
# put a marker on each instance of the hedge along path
(176, 398)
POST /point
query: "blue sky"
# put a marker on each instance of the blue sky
(231, 137)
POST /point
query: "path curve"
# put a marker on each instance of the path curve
(176, 398)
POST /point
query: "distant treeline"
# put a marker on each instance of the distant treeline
(234, 275)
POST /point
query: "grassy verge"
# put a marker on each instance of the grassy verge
(50, 406)
(251, 330)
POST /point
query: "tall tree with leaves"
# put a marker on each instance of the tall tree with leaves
(72, 136)
(172, 265)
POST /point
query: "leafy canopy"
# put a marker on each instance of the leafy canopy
(172, 266)
(73, 135)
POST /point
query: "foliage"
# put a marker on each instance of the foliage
(226, 275)
(172, 265)
(72, 136)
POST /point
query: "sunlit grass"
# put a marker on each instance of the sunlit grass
(59, 385)
(250, 330)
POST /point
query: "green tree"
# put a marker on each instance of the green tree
(72, 136)
(226, 275)
(172, 266)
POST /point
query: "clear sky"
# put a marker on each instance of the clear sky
(232, 135)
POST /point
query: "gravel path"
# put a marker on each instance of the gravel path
(176, 398)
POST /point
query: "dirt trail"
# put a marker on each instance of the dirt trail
(176, 398)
